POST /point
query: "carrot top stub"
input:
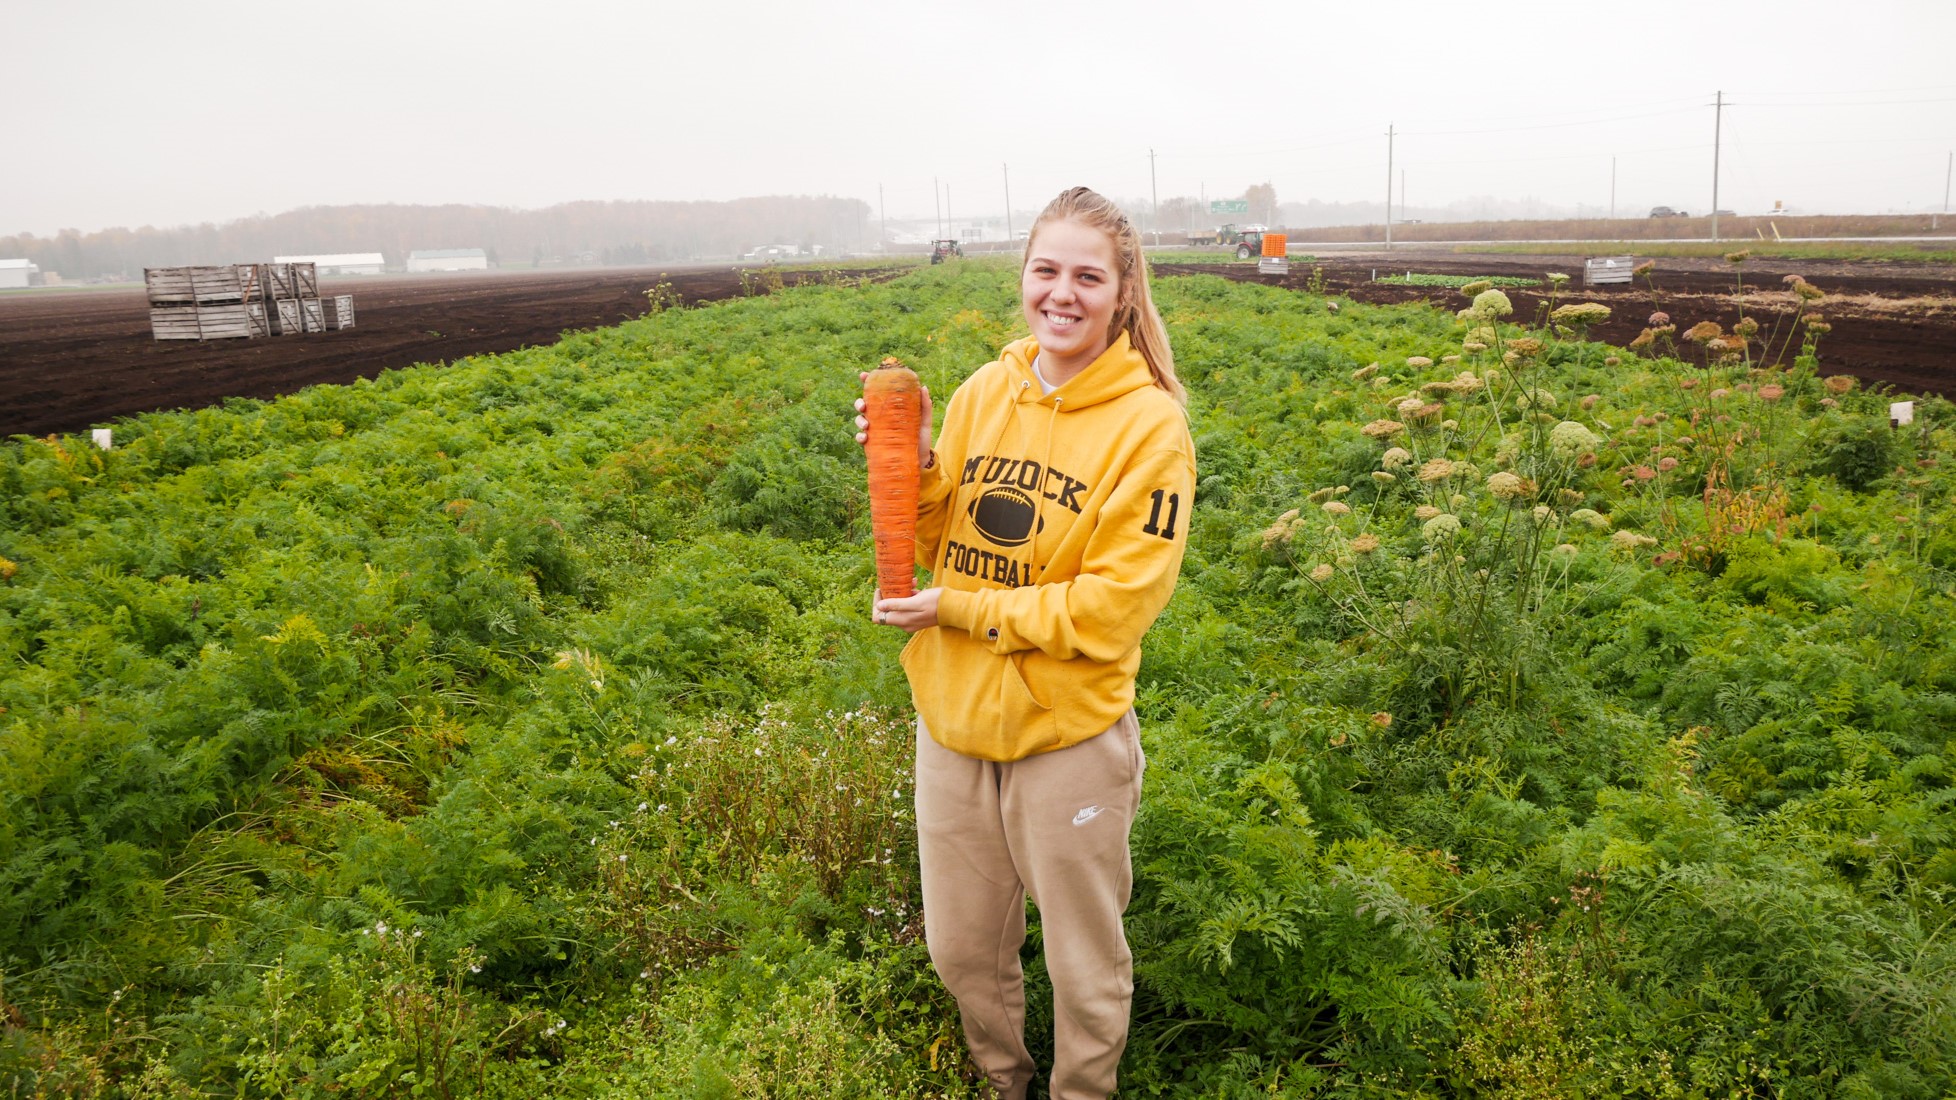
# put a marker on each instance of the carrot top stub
(893, 406)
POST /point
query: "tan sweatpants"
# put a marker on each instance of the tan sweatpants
(1054, 826)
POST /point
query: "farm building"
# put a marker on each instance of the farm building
(17, 273)
(342, 263)
(448, 259)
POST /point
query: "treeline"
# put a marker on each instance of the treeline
(577, 232)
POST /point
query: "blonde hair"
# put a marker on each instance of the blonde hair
(1135, 312)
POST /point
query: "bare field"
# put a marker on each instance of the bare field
(72, 360)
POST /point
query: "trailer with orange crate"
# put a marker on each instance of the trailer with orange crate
(1275, 255)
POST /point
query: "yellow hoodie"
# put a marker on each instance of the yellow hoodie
(1055, 525)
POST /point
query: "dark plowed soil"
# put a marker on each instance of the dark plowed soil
(1892, 323)
(75, 359)
(69, 360)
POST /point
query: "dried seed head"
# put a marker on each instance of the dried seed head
(1437, 469)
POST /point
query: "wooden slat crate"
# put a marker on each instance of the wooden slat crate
(175, 285)
(311, 316)
(251, 280)
(200, 321)
(1607, 269)
(278, 281)
(260, 324)
(285, 317)
(305, 281)
(338, 311)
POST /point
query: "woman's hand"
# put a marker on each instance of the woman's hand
(923, 424)
(912, 613)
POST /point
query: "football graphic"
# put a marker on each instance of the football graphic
(1005, 515)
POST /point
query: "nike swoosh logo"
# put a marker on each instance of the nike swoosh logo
(1086, 815)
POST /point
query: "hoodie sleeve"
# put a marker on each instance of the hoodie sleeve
(933, 498)
(1127, 574)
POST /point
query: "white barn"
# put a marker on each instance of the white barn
(448, 259)
(339, 263)
(17, 273)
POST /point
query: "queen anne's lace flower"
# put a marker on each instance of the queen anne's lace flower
(1435, 470)
(1570, 438)
(1396, 457)
(1589, 517)
(1440, 528)
(1507, 486)
(1492, 303)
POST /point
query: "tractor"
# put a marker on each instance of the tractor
(1247, 240)
(944, 250)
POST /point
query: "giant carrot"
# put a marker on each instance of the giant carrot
(893, 406)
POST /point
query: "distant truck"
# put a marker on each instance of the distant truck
(1667, 212)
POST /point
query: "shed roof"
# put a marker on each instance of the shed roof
(448, 254)
(337, 259)
(17, 264)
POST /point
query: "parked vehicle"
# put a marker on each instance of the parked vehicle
(1667, 212)
(944, 249)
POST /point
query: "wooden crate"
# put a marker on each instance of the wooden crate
(261, 325)
(305, 281)
(1607, 269)
(178, 285)
(311, 316)
(278, 281)
(200, 321)
(284, 314)
(338, 311)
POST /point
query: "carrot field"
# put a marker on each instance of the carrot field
(1534, 718)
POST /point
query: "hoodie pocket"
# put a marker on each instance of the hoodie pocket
(1023, 718)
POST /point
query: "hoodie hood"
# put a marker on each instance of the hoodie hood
(1120, 370)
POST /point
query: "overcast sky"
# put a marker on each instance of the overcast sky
(133, 112)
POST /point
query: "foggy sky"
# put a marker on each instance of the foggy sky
(131, 112)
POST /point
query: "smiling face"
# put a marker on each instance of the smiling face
(1070, 289)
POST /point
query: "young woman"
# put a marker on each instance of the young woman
(1053, 515)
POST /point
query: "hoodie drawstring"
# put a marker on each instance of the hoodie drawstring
(1039, 490)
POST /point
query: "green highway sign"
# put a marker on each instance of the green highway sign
(1229, 206)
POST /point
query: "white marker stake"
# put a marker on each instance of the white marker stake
(1900, 413)
(104, 437)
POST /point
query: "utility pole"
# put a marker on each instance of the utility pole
(1154, 197)
(1947, 169)
(1006, 169)
(1388, 243)
(1718, 130)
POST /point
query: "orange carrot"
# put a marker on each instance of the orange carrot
(893, 406)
